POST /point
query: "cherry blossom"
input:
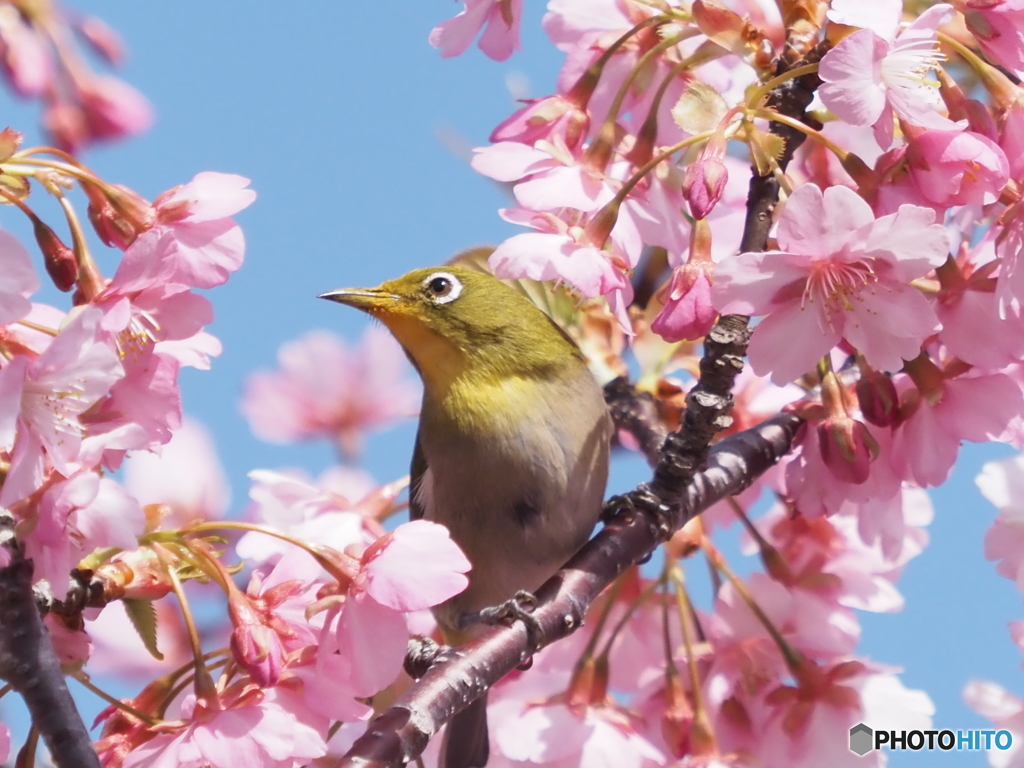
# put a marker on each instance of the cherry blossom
(18, 280)
(1002, 483)
(501, 36)
(999, 29)
(187, 476)
(839, 274)
(293, 505)
(274, 736)
(325, 388)
(869, 78)
(976, 408)
(41, 402)
(957, 167)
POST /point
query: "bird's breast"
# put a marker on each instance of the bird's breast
(516, 470)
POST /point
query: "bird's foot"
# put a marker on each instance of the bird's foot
(519, 608)
(421, 655)
(618, 507)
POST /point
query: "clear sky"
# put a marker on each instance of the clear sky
(350, 126)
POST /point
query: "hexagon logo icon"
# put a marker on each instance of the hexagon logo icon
(861, 738)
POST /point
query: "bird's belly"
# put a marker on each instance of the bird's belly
(518, 508)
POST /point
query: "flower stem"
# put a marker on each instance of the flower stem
(84, 680)
(791, 655)
(205, 687)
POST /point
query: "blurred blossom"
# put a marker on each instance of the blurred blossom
(186, 475)
(326, 389)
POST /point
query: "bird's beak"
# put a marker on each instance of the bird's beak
(366, 299)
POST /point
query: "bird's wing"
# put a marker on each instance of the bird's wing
(419, 467)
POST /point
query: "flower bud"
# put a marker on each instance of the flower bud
(847, 448)
(61, 263)
(102, 39)
(65, 123)
(138, 575)
(112, 108)
(589, 683)
(705, 179)
(686, 313)
(256, 647)
(677, 719)
(877, 397)
(118, 214)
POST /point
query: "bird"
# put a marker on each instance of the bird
(512, 448)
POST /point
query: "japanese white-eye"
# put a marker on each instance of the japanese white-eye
(512, 449)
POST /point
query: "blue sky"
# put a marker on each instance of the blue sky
(345, 120)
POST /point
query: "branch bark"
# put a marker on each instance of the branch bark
(29, 663)
(460, 675)
(636, 413)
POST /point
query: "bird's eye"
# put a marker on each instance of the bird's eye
(443, 287)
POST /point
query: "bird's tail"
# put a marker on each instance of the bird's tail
(465, 742)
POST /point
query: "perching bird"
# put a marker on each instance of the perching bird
(512, 449)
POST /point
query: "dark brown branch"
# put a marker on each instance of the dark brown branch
(458, 676)
(709, 403)
(29, 663)
(636, 413)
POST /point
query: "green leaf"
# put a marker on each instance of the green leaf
(700, 108)
(142, 614)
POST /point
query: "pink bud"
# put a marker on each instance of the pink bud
(112, 108)
(256, 647)
(553, 118)
(104, 40)
(65, 122)
(687, 314)
(118, 214)
(957, 167)
(878, 399)
(847, 448)
(61, 263)
(705, 179)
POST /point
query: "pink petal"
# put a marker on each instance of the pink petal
(788, 343)
(419, 568)
(853, 88)
(455, 35)
(12, 381)
(510, 161)
(499, 39)
(18, 279)
(817, 224)
(215, 195)
(889, 324)
(373, 638)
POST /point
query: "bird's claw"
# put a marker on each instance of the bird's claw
(618, 506)
(421, 655)
(519, 608)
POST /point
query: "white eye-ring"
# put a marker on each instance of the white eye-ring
(443, 287)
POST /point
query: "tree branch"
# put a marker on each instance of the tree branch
(636, 413)
(634, 530)
(29, 663)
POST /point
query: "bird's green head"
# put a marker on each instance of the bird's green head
(454, 320)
